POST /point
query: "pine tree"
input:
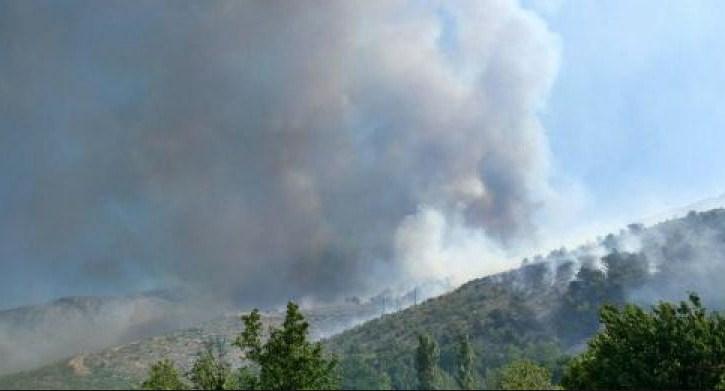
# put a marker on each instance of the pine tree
(287, 361)
(464, 375)
(426, 363)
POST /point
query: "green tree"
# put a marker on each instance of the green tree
(524, 375)
(210, 370)
(671, 347)
(287, 361)
(249, 341)
(163, 376)
(464, 375)
(426, 363)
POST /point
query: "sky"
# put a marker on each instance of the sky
(635, 116)
(275, 150)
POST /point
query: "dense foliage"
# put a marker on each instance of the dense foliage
(287, 361)
(524, 375)
(672, 347)
(501, 325)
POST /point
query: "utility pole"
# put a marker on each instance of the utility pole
(415, 296)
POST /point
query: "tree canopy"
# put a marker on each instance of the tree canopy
(524, 375)
(210, 370)
(163, 376)
(671, 347)
(287, 361)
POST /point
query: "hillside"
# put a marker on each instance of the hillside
(40, 334)
(548, 308)
(545, 310)
(124, 366)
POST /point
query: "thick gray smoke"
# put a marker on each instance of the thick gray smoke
(265, 150)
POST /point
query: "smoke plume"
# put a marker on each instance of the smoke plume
(265, 150)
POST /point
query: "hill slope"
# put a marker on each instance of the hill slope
(35, 335)
(125, 366)
(548, 308)
(543, 310)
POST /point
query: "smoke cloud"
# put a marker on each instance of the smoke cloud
(266, 150)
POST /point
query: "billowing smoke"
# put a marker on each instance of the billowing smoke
(266, 150)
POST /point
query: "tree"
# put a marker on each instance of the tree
(287, 361)
(464, 375)
(249, 341)
(671, 347)
(525, 375)
(163, 376)
(426, 363)
(210, 370)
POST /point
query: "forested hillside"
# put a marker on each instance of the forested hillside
(544, 311)
(547, 309)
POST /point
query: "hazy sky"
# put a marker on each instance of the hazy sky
(286, 149)
(636, 115)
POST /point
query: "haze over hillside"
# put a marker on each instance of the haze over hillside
(165, 162)
(549, 307)
(31, 336)
(543, 310)
(123, 366)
